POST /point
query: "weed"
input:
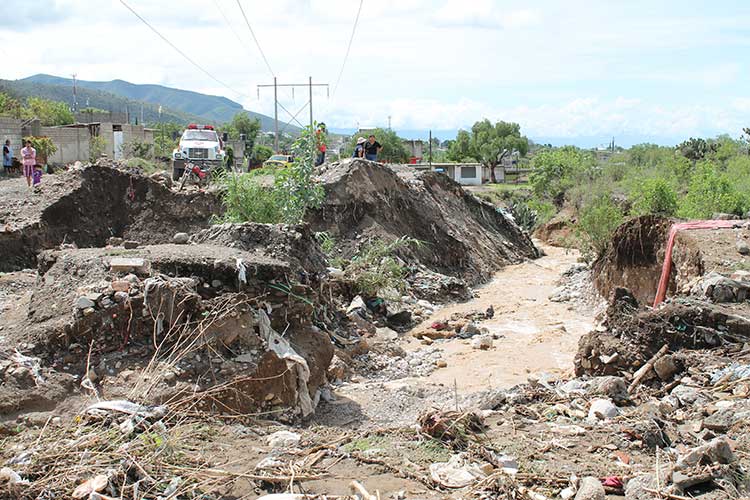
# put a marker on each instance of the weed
(376, 267)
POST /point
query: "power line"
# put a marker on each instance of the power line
(348, 47)
(226, 20)
(255, 39)
(187, 58)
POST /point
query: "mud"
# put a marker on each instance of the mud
(86, 206)
(462, 235)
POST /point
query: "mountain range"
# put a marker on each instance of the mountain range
(118, 95)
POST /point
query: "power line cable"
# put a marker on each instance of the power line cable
(187, 58)
(257, 44)
(348, 47)
(294, 118)
(226, 20)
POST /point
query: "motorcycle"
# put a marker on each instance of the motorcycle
(200, 174)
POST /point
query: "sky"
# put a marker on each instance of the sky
(573, 71)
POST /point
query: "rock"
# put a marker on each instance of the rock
(723, 216)
(743, 248)
(590, 489)
(338, 370)
(114, 241)
(85, 489)
(469, 330)
(120, 286)
(400, 319)
(457, 472)
(361, 323)
(482, 342)
(130, 244)
(635, 488)
(84, 303)
(717, 450)
(283, 439)
(121, 297)
(357, 305)
(665, 367)
(92, 376)
(180, 238)
(216, 283)
(689, 395)
(385, 334)
(127, 265)
(615, 388)
(169, 377)
(602, 409)
(441, 363)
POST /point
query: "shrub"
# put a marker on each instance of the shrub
(96, 147)
(654, 196)
(135, 148)
(711, 191)
(597, 221)
(294, 191)
(376, 267)
(554, 171)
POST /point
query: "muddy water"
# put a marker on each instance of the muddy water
(536, 335)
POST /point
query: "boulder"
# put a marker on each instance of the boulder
(590, 489)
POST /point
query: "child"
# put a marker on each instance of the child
(37, 176)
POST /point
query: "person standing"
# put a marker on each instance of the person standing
(7, 157)
(29, 160)
(359, 149)
(320, 139)
(372, 148)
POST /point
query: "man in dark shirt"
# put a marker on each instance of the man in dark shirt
(372, 148)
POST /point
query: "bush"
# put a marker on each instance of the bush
(554, 171)
(294, 191)
(596, 223)
(136, 148)
(376, 268)
(262, 153)
(96, 147)
(654, 196)
(709, 192)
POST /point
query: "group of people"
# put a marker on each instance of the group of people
(31, 170)
(367, 148)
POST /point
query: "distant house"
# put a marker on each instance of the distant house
(415, 147)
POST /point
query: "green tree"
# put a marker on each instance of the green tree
(696, 149)
(393, 150)
(711, 191)
(243, 124)
(597, 221)
(49, 113)
(9, 106)
(489, 144)
(654, 196)
(262, 153)
(460, 149)
(555, 171)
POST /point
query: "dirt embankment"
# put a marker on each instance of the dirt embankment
(86, 206)
(462, 235)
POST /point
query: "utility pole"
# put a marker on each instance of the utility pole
(430, 149)
(75, 95)
(276, 86)
(389, 122)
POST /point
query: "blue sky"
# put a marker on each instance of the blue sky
(568, 71)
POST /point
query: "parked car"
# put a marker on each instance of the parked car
(279, 161)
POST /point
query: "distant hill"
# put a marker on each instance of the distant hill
(96, 99)
(117, 94)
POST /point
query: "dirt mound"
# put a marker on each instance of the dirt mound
(558, 231)
(634, 258)
(85, 206)
(295, 245)
(196, 325)
(630, 335)
(463, 236)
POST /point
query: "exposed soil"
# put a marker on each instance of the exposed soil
(462, 235)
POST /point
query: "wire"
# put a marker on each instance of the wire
(226, 20)
(255, 39)
(349, 47)
(207, 73)
(294, 117)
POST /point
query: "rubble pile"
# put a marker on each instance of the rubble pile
(85, 206)
(462, 236)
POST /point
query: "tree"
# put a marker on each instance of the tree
(9, 106)
(243, 124)
(696, 149)
(393, 150)
(460, 149)
(489, 144)
(49, 113)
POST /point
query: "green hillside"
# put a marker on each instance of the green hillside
(208, 108)
(96, 99)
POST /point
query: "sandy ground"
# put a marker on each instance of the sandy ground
(536, 336)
